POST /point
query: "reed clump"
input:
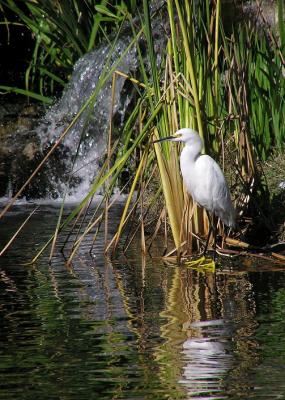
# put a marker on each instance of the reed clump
(227, 86)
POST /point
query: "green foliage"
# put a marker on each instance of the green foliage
(228, 87)
(246, 62)
(255, 77)
(63, 31)
(28, 93)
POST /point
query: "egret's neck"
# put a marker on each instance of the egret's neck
(192, 150)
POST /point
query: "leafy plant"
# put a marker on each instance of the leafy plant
(228, 87)
(63, 31)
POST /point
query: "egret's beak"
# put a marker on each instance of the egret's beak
(164, 139)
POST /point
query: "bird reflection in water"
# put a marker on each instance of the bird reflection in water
(209, 333)
(207, 359)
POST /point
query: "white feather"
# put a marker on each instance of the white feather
(204, 179)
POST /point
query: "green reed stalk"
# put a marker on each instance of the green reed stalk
(190, 63)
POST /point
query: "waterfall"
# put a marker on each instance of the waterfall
(93, 124)
(63, 171)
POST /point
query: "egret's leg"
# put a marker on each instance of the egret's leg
(209, 234)
(207, 241)
(214, 222)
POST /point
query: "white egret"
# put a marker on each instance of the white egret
(203, 178)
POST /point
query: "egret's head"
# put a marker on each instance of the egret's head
(186, 135)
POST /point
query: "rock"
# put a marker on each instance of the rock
(21, 152)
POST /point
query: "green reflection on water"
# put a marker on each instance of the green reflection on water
(70, 335)
(137, 329)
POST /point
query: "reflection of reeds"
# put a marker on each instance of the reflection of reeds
(8, 244)
(172, 331)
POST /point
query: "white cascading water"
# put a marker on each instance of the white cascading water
(93, 124)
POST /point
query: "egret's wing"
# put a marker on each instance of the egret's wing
(204, 180)
(223, 206)
(212, 191)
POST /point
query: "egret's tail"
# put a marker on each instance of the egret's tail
(227, 215)
(230, 218)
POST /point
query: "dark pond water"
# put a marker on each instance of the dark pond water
(135, 329)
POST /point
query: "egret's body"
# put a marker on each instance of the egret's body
(203, 177)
